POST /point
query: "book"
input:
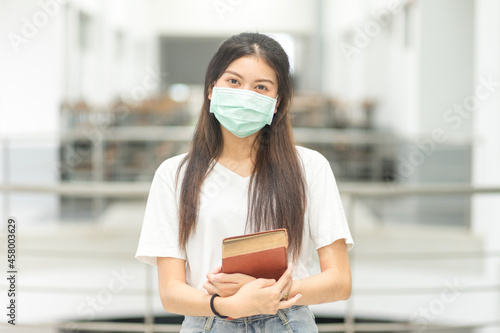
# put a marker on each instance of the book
(261, 254)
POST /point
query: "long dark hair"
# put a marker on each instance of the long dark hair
(276, 196)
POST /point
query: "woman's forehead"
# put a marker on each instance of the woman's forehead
(252, 68)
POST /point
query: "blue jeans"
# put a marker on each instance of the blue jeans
(295, 319)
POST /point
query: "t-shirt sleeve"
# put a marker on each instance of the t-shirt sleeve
(327, 221)
(160, 228)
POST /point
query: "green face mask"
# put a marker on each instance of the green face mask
(242, 112)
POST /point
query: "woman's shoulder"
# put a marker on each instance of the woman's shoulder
(313, 163)
(310, 157)
(169, 167)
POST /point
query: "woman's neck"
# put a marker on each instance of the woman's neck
(238, 154)
(238, 149)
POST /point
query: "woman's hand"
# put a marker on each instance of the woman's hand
(225, 284)
(261, 296)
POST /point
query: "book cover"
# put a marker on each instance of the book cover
(261, 254)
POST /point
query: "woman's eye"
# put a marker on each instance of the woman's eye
(233, 81)
(261, 87)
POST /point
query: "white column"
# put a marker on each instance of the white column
(30, 95)
(485, 215)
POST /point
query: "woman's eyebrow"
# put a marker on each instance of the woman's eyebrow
(238, 75)
(234, 73)
(265, 80)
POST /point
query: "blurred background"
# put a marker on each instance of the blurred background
(401, 96)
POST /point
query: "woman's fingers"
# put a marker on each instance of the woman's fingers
(285, 278)
(269, 295)
(212, 275)
(211, 288)
(264, 296)
(263, 283)
(287, 289)
(225, 284)
(216, 270)
(288, 303)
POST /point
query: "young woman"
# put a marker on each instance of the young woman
(244, 174)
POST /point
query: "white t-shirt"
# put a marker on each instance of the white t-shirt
(223, 213)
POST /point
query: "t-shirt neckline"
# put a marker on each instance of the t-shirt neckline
(232, 172)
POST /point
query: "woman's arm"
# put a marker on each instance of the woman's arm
(334, 281)
(332, 284)
(260, 296)
(176, 296)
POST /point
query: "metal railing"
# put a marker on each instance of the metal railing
(353, 191)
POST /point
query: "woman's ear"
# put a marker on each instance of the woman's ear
(277, 104)
(210, 88)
